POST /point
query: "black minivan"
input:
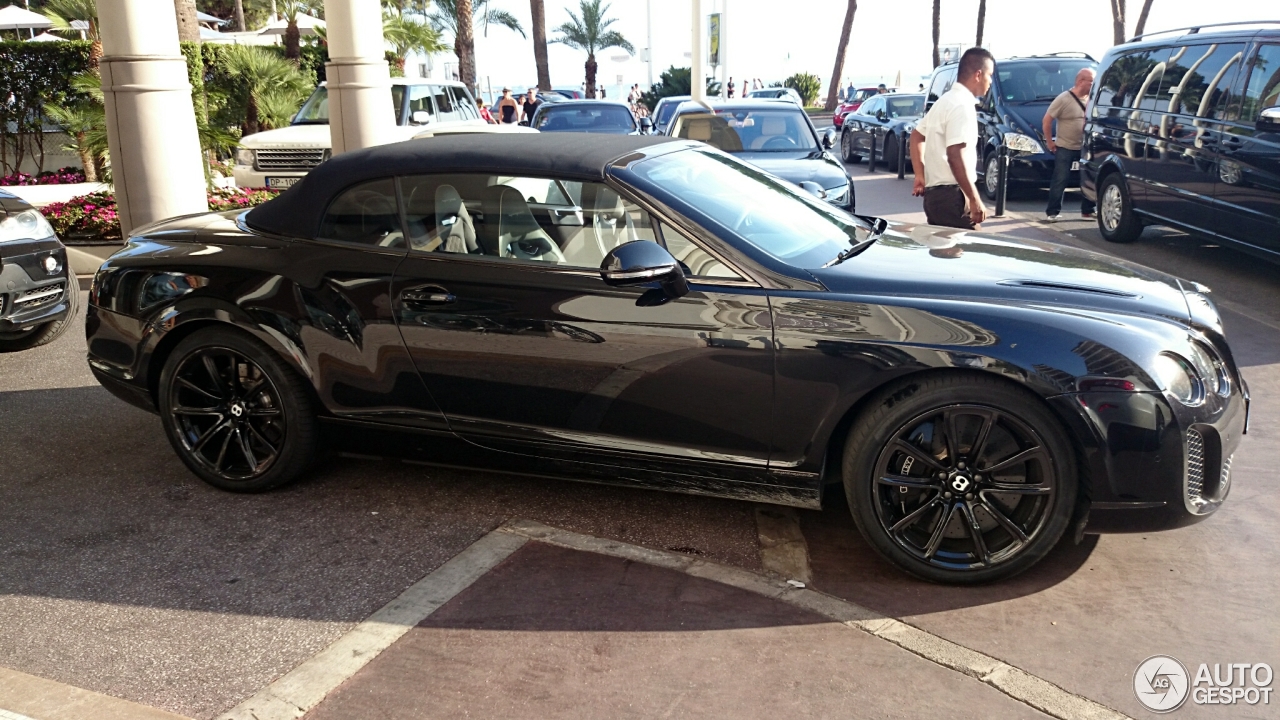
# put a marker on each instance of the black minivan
(1184, 131)
(1012, 112)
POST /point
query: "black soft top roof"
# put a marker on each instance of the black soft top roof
(580, 156)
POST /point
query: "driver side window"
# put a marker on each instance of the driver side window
(365, 214)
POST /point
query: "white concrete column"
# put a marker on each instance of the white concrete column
(359, 81)
(151, 125)
(697, 59)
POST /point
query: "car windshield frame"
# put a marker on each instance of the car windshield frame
(1026, 93)
(575, 109)
(318, 105)
(728, 196)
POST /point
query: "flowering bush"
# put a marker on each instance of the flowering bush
(87, 216)
(94, 216)
(234, 198)
(62, 176)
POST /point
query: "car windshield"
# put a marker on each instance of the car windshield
(905, 105)
(572, 117)
(774, 216)
(1027, 81)
(666, 111)
(315, 111)
(781, 129)
(865, 93)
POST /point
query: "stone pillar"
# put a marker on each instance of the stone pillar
(151, 127)
(360, 113)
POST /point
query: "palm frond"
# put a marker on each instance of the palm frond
(505, 19)
(613, 38)
(588, 30)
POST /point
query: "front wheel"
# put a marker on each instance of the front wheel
(238, 417)
(1116, 219)
(962, 479)
(44, 333)
(991, 177)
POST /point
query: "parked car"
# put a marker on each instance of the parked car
(1012, 112)
(774, 135)
(652, 312)
(890, 118)
(1183, 130)
(781, 93)
(663, 110)
(279, 158)
(853, 102)
(589, 116)
(38, 292)
(571, 93)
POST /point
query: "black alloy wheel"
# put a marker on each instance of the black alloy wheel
(236, 415)
(964, 480)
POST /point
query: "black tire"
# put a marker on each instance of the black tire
(44, 333)
(919, 513)
(1117, 221)
(846, 149)
(890, 152)
(989, 187)
(264, 410)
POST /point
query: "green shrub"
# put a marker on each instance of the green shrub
(674, 81)
(808, 85)
(31, 76)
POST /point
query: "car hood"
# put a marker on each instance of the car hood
(1026, 119)
(292, 136)
(926, 260)
(798, 167)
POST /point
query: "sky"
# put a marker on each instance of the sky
(772, 40)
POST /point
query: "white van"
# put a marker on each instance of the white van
(277, 158)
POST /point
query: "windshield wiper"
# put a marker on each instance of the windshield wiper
(878, 226)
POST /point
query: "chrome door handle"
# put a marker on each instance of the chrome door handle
(428, 297)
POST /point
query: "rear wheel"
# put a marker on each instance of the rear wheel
(236, 414)
(890, 152)
(1116, 219)
(44, 333)
(961, 479)
(846, 149)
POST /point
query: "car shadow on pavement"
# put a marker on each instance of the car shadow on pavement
(844, 565)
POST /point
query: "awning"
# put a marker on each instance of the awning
(306, 26)
(16, 18)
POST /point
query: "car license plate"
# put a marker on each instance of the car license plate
(1075, 166)
(280, 183)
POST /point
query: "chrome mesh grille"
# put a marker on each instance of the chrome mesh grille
(28, 299)
(1195, 466)
(288, 159)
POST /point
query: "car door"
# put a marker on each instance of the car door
(866, 124)
(339, 307)
(527, 350)
(1248, 187)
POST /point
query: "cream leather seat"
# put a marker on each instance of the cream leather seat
(511, 230)
(455, 232)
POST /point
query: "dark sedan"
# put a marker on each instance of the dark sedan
(887, 119)
(657, 313)
(38, 293)
(586, 116)
(774, 135)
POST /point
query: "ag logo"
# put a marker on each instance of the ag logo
(1161, 683)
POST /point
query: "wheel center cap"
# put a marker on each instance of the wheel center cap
(961, 483)
(237, 409)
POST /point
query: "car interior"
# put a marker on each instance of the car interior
(575, 119)
(747, 131)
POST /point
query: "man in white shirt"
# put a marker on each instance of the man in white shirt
(944, 147)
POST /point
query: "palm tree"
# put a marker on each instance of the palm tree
(937, 30)
(1142, 18)
(408, 34)
(273, 88)
(590, 33)
(188, 23)
(982, 20)
(459, 18)
(834, 91)
(85, 121)
(1117, 22)
(291, 9)
(539, 12)
(63, 12)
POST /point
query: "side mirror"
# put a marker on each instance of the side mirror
(646, 125)
(882, 115)
(829, 138)
(640, 262)
(1269, 120)
(813, 189)
(420, 117)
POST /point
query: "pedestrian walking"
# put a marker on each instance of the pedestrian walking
(849, 92)
(531, 105)
(1068, 110)
(944, 147)
(730, 88)
(508, 108)
(484, 112)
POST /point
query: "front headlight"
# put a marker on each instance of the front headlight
(1212, 368)
(838, 195)
(244, 156)
(1023, 143)
(26, 225)
(1179, 378)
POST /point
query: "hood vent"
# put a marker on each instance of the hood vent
(1050, 285)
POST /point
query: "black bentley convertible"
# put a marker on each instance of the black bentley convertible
(653, 312)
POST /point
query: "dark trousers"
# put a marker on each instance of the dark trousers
(946, 205)
(1062, 161)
